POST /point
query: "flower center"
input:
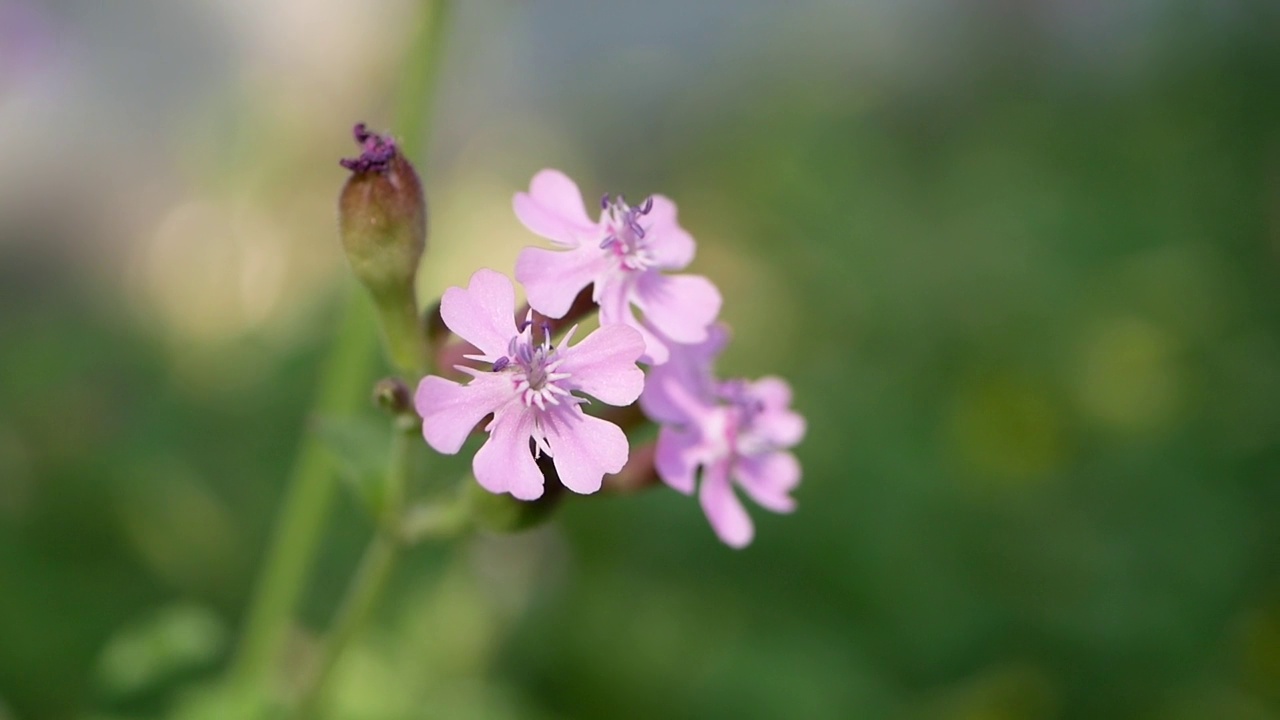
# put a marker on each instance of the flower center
(533, 364)
(626, 236)
(742, 408)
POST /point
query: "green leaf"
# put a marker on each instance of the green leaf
(170, 641)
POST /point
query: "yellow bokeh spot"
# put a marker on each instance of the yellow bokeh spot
(1128, 377)
(1006, 431)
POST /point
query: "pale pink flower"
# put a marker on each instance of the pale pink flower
(528, 386)
(624, 253)
(735, 433)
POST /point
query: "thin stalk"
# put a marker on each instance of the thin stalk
(310, 492)
(343, 386)
(367, 583)
(421, 76)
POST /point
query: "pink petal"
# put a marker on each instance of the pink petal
(677, 457)
(583, 447)
(683, 388)
(553, 278)
(450, 411)
(675, 397)
(672, 247)
(655, 348)
(717, 338)
(553, 209)
(613, 295)
(777, 422)
(769, 479)
(678, 306)
(724, 511)
(657, 400)
(603, 365)
(484, 313)
(782, 428)
(505, 463)
(773, 391)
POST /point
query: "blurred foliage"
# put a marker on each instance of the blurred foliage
(1031, 314)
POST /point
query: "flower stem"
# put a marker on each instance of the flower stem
(367, 584)
(421, 75)
(343, 385)
(404, 335)
(306, 503)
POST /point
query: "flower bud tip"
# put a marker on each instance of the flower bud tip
(376, 152)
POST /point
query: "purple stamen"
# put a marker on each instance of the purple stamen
(501, 363)
(524, 354)
(626, 235)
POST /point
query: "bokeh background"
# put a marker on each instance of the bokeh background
(1019, 258)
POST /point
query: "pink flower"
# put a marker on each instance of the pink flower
(623, 254)
(529, 390)
(736, 432)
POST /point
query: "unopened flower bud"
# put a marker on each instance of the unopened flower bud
(382, 219)
(394, 397)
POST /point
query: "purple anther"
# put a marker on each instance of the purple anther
(648, 205)
(608, 240)
(546, 331)
(376, 151)
(501, 363)
(604, 202)
(520, 326)
(635, 228)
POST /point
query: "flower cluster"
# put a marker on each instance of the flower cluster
(533, 389)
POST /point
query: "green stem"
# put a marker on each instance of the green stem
(367, 584)
(397, 478)
(343, 386)
(447, 517)
(418, 83)
(306, 504)
(404, 335)
(370, 578)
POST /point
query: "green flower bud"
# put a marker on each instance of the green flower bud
(382, 219)
(396, 399)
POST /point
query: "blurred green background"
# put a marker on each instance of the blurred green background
(1019, 258)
